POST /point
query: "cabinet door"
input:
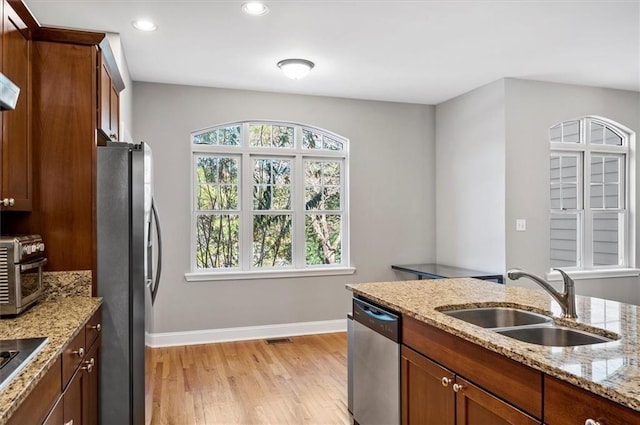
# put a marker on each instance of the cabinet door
(72, 400)
(559, 395)
(475, 406)
(56, 416)
(104, 101)
(426, 392)
(114, 111)
(90, 398)
(108, 104)
(16, 139)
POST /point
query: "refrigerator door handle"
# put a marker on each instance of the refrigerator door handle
(156, 284)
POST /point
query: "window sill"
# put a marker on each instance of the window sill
(594, 274)
(267, 274)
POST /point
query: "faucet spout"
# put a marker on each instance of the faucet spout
(566, 299)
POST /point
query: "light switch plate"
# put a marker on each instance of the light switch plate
(521, 225)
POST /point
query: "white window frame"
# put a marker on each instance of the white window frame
(298, 155)
(584, 151)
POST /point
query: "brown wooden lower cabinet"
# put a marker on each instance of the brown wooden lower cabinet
(507, 379)
(565, 404)
(434, 395)
(72, 399)
(75, 400)
(447, 380)
(80, 398)
(425, 399)
(90, 385)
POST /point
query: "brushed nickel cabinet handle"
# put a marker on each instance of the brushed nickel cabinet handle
(591, 422)
(97, 327)
(69, 423)
(8, 202)
(457, 388)
(79, 352)
(445, 381)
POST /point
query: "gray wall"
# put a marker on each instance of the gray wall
(470, 179)
(531, 109)
(392, 175)
(492, 161)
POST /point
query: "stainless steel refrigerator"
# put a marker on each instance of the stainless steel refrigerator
(128, 271)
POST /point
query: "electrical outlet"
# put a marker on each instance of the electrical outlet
(521, 225)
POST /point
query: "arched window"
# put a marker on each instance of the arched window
(589, 192)
(269, 197)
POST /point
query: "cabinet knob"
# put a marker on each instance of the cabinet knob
(113, 136)
(8, 202)
(591, 422)
(457, 388)
(79, 352)
(69, 423)
(88, 365)
(97, 327)
(445, 381)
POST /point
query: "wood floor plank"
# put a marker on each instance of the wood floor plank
(252, 382)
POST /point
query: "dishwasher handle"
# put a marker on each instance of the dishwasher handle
(377, 319)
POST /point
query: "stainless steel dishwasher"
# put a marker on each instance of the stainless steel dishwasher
(376, 365)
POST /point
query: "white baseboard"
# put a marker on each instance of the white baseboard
(209, 336)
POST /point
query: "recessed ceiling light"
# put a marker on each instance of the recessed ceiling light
(296, 69)
(144, 25)
(255, 8)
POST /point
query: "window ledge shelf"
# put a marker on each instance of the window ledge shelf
(270, 274)
(594, 274)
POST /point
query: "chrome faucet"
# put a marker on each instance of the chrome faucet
(566, 299)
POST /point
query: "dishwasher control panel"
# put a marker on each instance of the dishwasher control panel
(384, 322)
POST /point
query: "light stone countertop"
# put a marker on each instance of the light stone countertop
(609, 369)
(59, 318)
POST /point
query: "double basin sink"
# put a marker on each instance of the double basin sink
(526, 326)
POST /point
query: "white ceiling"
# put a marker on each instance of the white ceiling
(405, 51)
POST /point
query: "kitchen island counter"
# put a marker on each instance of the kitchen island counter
(611, 369)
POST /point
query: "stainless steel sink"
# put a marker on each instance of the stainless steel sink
(526, 326)
(498, 317)
(554, 336)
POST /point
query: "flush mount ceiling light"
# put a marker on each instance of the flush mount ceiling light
(144, 25)
(255, 8)
(296, 69)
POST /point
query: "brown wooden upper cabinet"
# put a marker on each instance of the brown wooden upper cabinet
(15, 136)
(108, 103)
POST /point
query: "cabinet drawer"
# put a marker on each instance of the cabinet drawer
(36, 406)
(476, 406)
(567, 404)
(72, 357)
(93, 328)
(513, 382)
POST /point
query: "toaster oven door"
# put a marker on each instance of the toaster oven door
(30, 282)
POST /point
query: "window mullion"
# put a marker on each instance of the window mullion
(587, 219)
(194, 211)
(246, 208)
(299, 247)
(344, 206)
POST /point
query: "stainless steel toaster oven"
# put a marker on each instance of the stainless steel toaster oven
(22, 260)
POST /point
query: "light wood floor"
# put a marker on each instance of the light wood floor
(252, 382)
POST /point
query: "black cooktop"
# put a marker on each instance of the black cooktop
(16, 354)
